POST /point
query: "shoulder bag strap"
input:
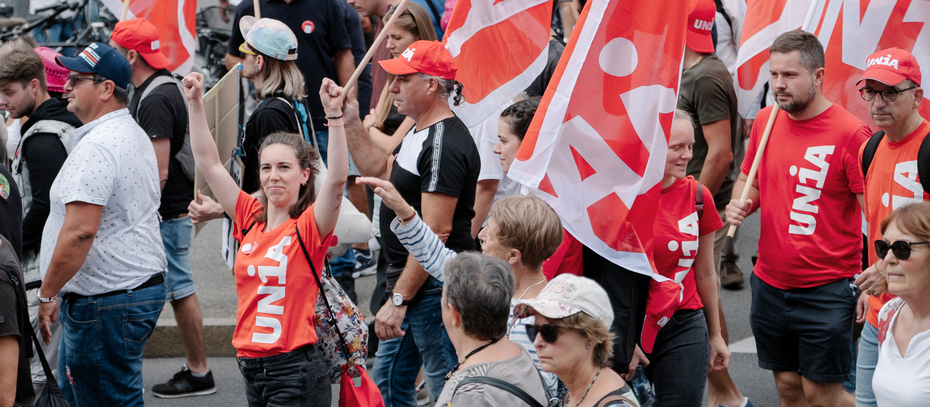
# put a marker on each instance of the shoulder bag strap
(869, 151)
(319, 284)
(923, 163)
(500, 384)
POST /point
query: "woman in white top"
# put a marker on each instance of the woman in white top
(902, 376)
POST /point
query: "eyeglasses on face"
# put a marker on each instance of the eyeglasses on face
(900, 249)
(245, 49)
(73, 79)
(549, 332)
(888, 95)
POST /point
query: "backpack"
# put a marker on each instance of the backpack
(185, 155)
(923, 157)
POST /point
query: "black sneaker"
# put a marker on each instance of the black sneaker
(184, 384)
(365, 265)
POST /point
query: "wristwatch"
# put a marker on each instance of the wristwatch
(398, 300)
(45, 300)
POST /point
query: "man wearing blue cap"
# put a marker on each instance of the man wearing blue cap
(102, 256)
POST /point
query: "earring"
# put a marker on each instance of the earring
(303, 184)
(589, 346)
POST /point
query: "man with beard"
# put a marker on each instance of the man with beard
(803, 299)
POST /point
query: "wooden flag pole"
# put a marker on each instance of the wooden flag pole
(371, 51)
(122, 15)
(755, 163)
(256, 4)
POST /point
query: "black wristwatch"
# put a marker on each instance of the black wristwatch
(399, 301)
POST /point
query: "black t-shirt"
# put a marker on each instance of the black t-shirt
(11, 212)
(359, 49)
(271, 115)
(163, 113)
(321, 32)
(441, 158)
(14, 319)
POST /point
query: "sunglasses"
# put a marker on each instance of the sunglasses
(73, 79)
(246, 50)
(549, 332)
(901, 249)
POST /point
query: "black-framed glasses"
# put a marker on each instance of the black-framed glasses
(900, 249)
(73, 79)
(888, 95)
(549, 332)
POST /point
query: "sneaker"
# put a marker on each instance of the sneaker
(732, 276)
(365, 264)
(184, 384)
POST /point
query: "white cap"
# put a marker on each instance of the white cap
(567, 295)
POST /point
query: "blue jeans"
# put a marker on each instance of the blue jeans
(426, 343)
(865, 365)
(297, 378)
(100, 354)
(680, 359)
(176, 237)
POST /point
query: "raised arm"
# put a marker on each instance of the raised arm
(206, 157)
(328, 202)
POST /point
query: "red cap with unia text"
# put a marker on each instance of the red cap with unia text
(700, 24)
(426, 57)
(141, 36)
(891, 66)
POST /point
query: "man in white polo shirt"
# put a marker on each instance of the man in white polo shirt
(102, 256)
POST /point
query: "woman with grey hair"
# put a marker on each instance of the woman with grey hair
(475, 308)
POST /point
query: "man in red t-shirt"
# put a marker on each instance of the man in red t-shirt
(891, 87)
(810, 187)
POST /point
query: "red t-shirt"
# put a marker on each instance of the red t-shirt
(892, 182)
(811, 231)
(276, 289)
(567, 258)
(677, 230)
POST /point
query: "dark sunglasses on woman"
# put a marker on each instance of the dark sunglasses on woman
(549, 332)
(900, 248)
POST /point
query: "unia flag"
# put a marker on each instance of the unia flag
(850, 31)
(596, 149)
(176, 21)
(499, 48)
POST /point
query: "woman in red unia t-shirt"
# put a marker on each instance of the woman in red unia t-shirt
(276, 289)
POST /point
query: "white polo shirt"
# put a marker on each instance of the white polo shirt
(113, 165)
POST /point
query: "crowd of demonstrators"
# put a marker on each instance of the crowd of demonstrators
(893, 95)
(803, 294)
(159, 107)
(104, 201)
(901, 377)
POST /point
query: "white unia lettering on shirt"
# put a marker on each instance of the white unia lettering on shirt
(689, 226)
(272, 293)
(803, 208)
(905, 175)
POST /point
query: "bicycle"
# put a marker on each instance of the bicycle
(93, 31)
(213, 33)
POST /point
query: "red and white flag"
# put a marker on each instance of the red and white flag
(499, 48)
(176, 21)
(850, 31)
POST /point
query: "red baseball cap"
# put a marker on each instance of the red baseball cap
(427, 57)
(891, 66)
(141, 36)
(661, 304)
(700, 24)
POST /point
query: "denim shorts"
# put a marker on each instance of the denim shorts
(804, 330)
(176, 237)
(297, 378)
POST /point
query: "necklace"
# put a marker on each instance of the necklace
(695, 63)
(479, 349)
(528, 288)
(568, 397)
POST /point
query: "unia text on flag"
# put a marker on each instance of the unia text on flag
(852, 30)
(499, 48)
(176, 21)
(765, 20)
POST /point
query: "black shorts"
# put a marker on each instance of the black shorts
(804, 330)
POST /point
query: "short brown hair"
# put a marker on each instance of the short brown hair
(912, 218)
(530, 225)
(22, 65)
(806, 43)
(595, 331)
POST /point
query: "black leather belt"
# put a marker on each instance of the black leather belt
(151, 282)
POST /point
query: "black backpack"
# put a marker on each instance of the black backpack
(923, 157)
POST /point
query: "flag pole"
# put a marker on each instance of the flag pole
(257, 5)
(755, 164)
(361, 66)
(122, 15)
